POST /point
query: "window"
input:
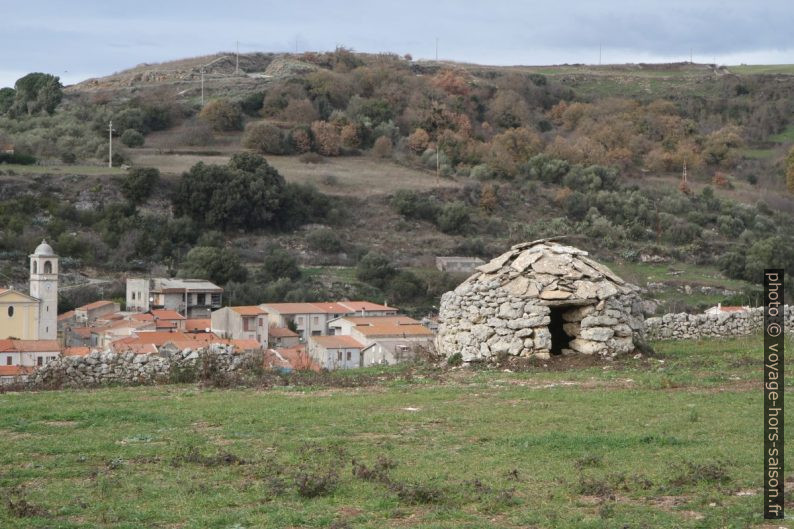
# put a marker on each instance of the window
(316, 320)
(348, 356)
(248, 325)
(316, 333)
(339, 355)
(201, 299)
(39, 360)
(261, 322)
(35, 267)
(8, 360)
(11, 311)
(47, 267)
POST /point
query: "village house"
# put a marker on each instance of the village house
(28, 353)
(279, 337)
(94, 311)
(335, 352)
(726, 309)
(312, 319)
(458, 265)
(241, 323)
(193, 298)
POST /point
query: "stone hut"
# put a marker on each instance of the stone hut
(540, 299)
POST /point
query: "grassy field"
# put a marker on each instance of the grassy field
(349, 175)
(61, 169)
(664, 441)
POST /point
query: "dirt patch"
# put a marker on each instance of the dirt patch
(61, 424)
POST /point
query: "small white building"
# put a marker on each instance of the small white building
(27, 354)
(335, 352)
(241, 323)
(313, 319)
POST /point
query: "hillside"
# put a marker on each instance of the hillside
(408, 160)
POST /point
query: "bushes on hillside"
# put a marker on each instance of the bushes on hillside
(139, 182)
(222, 115)
(219, 265)
(132, 138)
(264, 138)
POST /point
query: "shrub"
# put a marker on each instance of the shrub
(278, 264)
(219, 265)
(246, 193)
(405, 286)
(418, 141)
(138, 183)
(413, 205)
(375, 269)
(325, 240)
(382, 147)
(311, 157)
(264, 138)
(454, 218)
(132, 138)
(327, 140)
(197, 135)
(222, 115)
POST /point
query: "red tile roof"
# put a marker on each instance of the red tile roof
(394, 330)
(282, 332)
(249, 310)
(198, 324)
(294, 308)
(358, 306)
(298, 358)
(95, 305)
(15, 371)
(66, 315)
(76, 351)
(164, 314)
(337, 342)
(30, 346)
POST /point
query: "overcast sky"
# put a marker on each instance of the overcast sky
(79, 39)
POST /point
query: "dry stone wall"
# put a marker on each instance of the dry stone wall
(107, 367)
(685, 326)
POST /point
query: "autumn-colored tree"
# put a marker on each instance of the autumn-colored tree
(719, 180)
(511, 148)
(418, 141)
(299, 111)
(301, 140)
(327, 140)
(509, 110)
(264, 138)
(790, 171)
(488, 200)
(451, 82)
(382, 147)
(350, 136)
(222, 115)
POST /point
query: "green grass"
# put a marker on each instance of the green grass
(757, 69)
(89, 170)
(787, 136)
(667, 441)
(758, 154)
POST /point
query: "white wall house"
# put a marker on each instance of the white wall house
(335, 352)
(241, 323)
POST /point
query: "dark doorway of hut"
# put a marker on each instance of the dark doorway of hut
(559, 338)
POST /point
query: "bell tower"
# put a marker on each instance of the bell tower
(44, 287)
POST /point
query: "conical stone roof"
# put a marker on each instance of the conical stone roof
(505, 307)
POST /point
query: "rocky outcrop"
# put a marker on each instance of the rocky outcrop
(100, 368)
(723, 325)
(506, 308)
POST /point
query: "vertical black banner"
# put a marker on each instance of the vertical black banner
(773, 393)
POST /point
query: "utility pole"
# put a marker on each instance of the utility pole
(436, 48)
(690, 56)
(599, 54)
(110, 143)
(202, 87)
(237, 64)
